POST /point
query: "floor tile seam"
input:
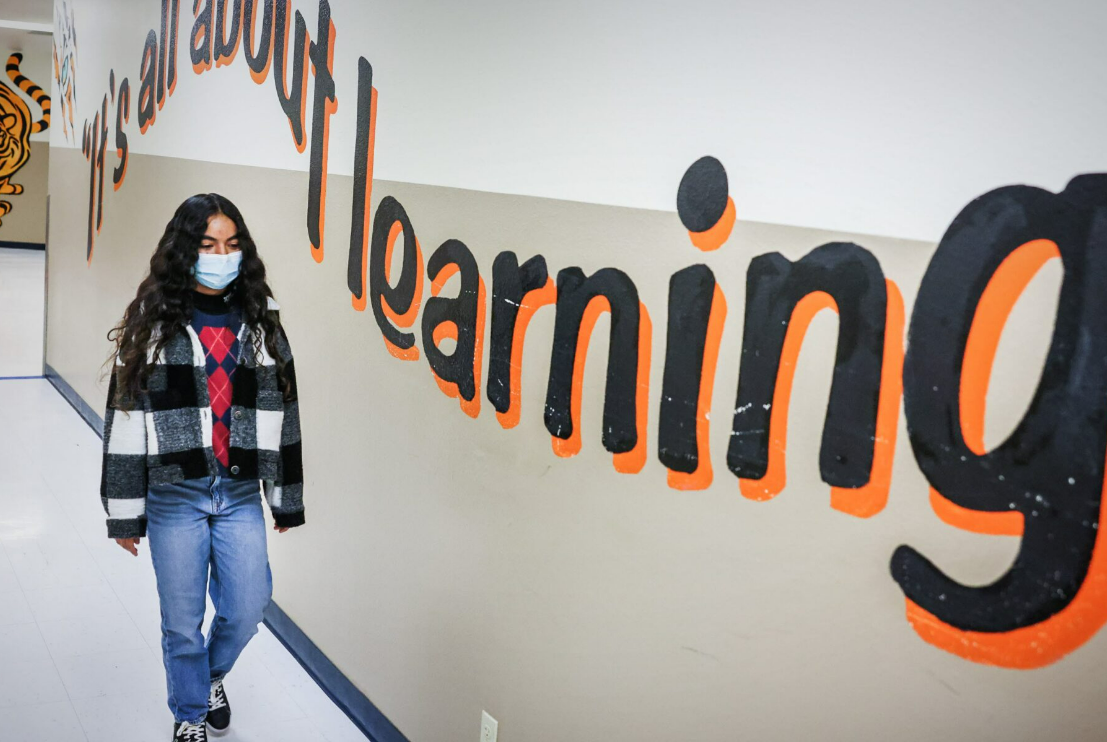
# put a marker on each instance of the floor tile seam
(131, 616)
(61, 680)
(18, 586)
(111, 586)
(97, 614)
(68, 698)
(156, 696)
(109, 579)
(65, 514)
(292, 696)
(323, 734)
(45, 703)
(65, 687)
(100, 652)
(106, 579)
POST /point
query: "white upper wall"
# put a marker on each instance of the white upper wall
(26, 11)
(873, 116)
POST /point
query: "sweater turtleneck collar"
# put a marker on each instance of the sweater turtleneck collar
(212, 304)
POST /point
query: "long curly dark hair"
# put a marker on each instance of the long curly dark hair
(164, 298)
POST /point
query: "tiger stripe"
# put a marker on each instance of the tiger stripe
(37, 94)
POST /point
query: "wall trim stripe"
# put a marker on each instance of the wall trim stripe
(355, 704)
(23, 245)
(17, 378)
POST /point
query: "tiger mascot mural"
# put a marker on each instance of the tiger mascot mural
(16, 128)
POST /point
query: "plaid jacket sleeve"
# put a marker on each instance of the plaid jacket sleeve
(123, 475)
(285, 494)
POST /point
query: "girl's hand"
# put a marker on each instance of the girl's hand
(278, 529)
(130, 544)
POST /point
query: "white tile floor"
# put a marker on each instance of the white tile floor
(80, 643)
(22, 273)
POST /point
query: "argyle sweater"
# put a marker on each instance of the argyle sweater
(217, 323)
(168, 436)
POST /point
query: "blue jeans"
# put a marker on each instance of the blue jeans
(191, 526)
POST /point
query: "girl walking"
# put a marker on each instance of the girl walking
(201, 420)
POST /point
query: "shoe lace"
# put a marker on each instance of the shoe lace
(216, 699)
(192, 733)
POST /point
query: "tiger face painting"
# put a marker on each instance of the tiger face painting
(16, 128)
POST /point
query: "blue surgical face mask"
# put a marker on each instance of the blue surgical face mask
(217, 271)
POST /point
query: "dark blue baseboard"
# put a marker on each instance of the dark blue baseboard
(23, 245)
(365, 716)
(337, 686)
(69, 394)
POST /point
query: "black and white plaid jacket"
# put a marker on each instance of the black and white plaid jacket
(167, 438)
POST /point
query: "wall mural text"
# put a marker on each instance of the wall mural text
(1044, 484)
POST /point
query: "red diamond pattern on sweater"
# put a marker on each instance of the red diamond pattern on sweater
(219, 389)
(220, 441)
(217, 342)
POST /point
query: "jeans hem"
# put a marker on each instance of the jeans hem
(201, 720)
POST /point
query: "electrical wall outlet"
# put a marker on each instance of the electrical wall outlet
(488, 727)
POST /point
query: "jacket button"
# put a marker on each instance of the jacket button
(234, 469)
(238, 414)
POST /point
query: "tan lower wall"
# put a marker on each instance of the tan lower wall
(26, 222)
(448, 565)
